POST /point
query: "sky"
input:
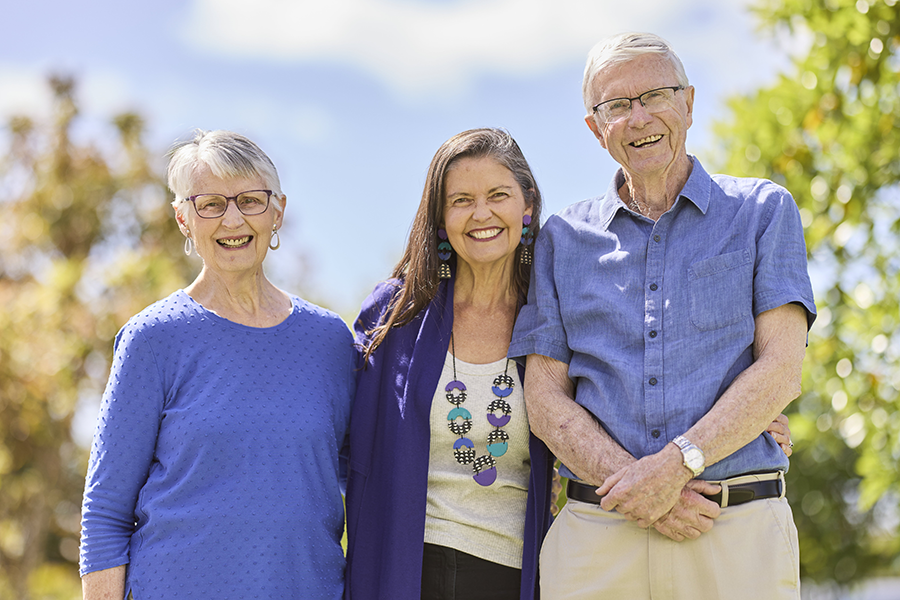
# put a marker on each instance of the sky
(351, 98)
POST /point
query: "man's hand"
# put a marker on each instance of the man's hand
(646, 490)
(693, 514)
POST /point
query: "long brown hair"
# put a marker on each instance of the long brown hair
(417, 269)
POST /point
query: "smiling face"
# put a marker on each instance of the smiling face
(483, 210)
(234, 242)
(646, 145)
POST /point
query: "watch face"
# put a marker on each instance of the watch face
(694, 458)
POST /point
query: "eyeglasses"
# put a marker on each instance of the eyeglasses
(213, 206)
(653, 101)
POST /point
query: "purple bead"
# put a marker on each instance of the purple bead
(459, 385)
(486, 477)
(463, 442)
(498, 421)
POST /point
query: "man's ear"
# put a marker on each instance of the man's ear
(595, 129)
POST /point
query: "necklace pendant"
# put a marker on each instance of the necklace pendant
(499, 405)
(464, 451)
(499, 382)
(486, 477)
(456, 398)
(457, 427)
(485, 468)
(498, 449)
(497, 442)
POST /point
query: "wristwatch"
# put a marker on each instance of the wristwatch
(693, 456)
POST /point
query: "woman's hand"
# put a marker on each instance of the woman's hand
(781, 431)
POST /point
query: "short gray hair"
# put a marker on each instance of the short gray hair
(227, 154)
(622, 48)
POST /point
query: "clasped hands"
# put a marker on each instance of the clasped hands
(658, 491)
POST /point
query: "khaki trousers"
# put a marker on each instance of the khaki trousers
(751, 552)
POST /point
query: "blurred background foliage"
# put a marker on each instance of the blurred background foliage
(87, 240)
(829, 131)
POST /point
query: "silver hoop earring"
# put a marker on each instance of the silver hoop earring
(188, 244)
(274, 238)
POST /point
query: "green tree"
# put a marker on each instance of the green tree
(829, 131)
(86, 241)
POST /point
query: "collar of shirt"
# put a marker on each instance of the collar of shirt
(697, 190)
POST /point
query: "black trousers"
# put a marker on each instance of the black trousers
(449, 574)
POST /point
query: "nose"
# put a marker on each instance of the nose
(639, 114)
(233, 216)
(482, 210)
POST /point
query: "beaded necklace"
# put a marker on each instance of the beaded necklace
(484, 466)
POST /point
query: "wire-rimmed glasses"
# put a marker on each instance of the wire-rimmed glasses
(653, 101)
(213, 206)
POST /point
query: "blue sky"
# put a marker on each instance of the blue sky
(351, 98)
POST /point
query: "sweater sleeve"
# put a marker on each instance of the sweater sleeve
(122, 452)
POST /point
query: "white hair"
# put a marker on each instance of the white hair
(622, 48)
(227, 154)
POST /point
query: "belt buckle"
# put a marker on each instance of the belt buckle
(726, 495)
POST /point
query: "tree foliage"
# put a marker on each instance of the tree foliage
(86, 241)
(829, 131)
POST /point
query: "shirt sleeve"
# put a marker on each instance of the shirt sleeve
(539, 327)
(781, 274)
(122, 452)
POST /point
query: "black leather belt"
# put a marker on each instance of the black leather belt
(739, 493)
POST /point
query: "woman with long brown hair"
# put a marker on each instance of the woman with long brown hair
(448, 492)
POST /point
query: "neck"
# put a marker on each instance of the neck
(247, 299)
(485, 286)
(484, 310)
(654, 194)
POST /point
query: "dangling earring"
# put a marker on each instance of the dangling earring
(527, 238)
(444, 252)
(276, 238)
(188, 244)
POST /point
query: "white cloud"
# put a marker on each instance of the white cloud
(98, 94)
(25, 92)
(417, 47)
(106, 93)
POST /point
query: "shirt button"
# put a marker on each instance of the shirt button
(656, 238)
(653, 287)
(653, 333)
(653, 381)
(655, 433)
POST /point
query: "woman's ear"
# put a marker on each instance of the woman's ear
(182, 222)
(279, 217)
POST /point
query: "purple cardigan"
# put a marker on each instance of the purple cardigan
(389, 446)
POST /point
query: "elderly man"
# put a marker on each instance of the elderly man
(665, 328)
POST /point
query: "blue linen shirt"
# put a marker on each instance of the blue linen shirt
(656, 319)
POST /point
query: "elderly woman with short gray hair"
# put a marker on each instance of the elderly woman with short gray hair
(214, 470)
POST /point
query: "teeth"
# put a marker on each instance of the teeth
(235, 242)
(483, 234)
(646, 140)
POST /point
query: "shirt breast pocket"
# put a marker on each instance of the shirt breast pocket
(721, 290)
